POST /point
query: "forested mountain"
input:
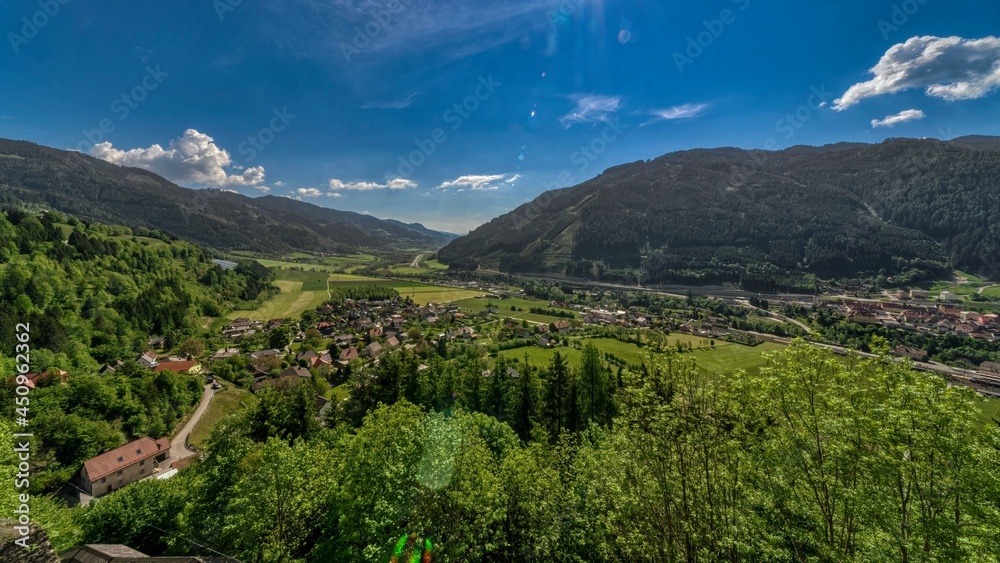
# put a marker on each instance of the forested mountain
(95, 190)
(904, 208)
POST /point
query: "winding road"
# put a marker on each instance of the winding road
(416, 261)
(178, 444)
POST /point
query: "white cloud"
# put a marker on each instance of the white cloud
(479, 183)
(395, 184)
(335, 194)
(901, 117)
(263, 188)
(592, 109)
(308, 192)
(949, 68)
(684, 111)
(193, 158)
(279, 184)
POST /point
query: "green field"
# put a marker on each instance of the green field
(283, 265)
(300, 291)
(726, 357)
(225, 402)
(328, 264)
(971, 286)
(991, 410)
(525, 304)
(421, 293)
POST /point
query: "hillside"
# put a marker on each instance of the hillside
(905, 208)
(95, 190)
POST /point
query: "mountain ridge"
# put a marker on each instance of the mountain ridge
(904, 208)
(93, 189)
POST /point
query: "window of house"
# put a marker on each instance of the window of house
(120, 472)
(104, 480)
(143, 462)
(141, 471)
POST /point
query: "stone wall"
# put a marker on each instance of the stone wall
(11, 552)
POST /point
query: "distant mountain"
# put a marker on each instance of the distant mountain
(905, 208)
(93, 189)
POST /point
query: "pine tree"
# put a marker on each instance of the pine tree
(556, 391)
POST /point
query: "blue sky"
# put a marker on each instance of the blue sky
(452, 112)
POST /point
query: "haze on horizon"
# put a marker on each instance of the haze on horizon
(449, 114)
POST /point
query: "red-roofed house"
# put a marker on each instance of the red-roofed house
(113, 470)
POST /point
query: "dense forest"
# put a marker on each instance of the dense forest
(95, 190)
(96, 293)
(811, 458)
(900, 211)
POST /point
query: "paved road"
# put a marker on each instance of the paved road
(178, 447)
(416, 261)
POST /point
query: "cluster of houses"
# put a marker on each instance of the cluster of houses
(940, 319)
(634, 317)
(157, 363)
(543, 333)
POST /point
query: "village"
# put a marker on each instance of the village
(340, 338)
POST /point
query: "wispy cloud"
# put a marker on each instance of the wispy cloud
(949, 68)
(192, 158)
(591, 109)
(391, 104)
(479, 183)
(308, 192)
(395, 184)
(901, 117)
(448, 29)
(685, 111)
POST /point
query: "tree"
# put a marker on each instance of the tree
(526, 401)
(142, 516)
(279, 338)
(193, 346)
(595, 388)
(556, 396)
(414, 334)
(285, 412)
(313, 339)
